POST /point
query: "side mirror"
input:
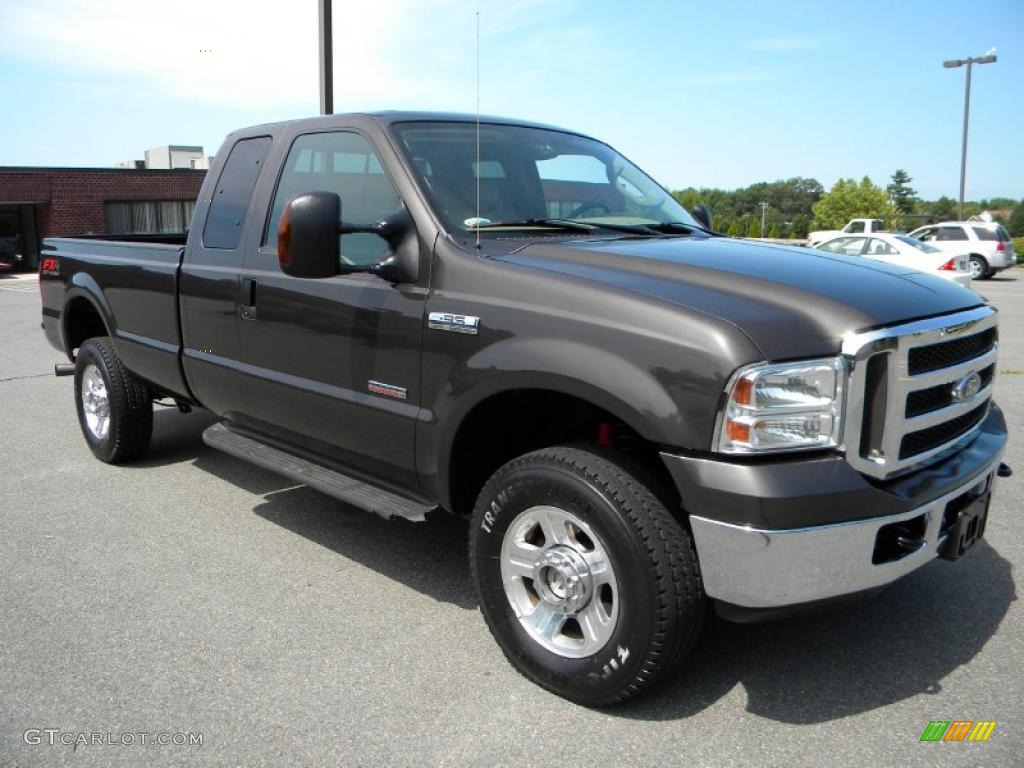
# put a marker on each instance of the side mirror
(307, 237)
(703, 215)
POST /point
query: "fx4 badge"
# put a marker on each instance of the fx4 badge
(444, 321)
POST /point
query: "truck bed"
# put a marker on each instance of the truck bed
(131, 281)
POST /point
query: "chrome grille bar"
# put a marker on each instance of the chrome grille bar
(882, 458)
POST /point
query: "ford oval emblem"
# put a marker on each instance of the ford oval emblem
(966, 388)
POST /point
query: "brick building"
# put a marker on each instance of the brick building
(51, 202)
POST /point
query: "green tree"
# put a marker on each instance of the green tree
(734, 228)
(773, 231)
(943, 209)
(801, 226)
(754, 227)
(790, 197)
(1016, 223)
(903, 196)
(995, 203)
(849, 200)
(688, 198)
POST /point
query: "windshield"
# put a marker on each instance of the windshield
(918, 244)
(528, 175)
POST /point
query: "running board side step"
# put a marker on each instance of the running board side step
(324, 479)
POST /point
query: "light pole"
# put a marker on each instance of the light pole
(326, 60)
(764, 210)
(988, 58)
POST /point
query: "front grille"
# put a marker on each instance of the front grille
(941, 396)
(901, 407)
(925, 439)
(945, 354)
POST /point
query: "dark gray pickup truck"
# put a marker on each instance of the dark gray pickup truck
(639, 418)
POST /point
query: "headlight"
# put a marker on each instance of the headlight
(783, 407)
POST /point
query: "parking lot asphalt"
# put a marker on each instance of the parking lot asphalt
(192, 592)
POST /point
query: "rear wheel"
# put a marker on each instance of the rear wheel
(587, 582)
(979, 268)
(115, 409)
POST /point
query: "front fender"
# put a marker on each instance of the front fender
(616, 384)
(609, 381)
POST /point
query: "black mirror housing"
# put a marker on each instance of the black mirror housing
(703, 215)
(307, 239)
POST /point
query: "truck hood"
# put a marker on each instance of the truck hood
(791, 302)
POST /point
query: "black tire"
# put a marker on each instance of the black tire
(980, 268)
(660, 595)
(130, 404)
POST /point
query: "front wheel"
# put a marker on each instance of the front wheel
(979, 268)
(587, 582)
(115, 409)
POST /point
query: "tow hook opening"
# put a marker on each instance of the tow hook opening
(897, 540)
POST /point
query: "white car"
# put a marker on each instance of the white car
(904, 251)
(988, 245)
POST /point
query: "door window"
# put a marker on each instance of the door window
(878, 247)
(848, 246)
(344, 163)
(951, 233)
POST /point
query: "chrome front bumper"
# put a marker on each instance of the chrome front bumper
(756, 568)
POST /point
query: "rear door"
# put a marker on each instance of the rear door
(848, 246)
(950, 238)
(334, 363)
(881, 250)
(209, 285)
(994, 243)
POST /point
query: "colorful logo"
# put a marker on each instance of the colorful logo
(958, 730)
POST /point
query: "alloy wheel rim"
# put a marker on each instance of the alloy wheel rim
(95, 402)
(559, 581)
(975, 269)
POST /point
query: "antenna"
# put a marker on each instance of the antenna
(477, 174)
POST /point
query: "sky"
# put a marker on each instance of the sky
(704, 94)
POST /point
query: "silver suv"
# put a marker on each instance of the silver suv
(987, 244)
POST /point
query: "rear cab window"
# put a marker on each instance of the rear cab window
(233, 193)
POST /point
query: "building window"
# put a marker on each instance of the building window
(148, 216)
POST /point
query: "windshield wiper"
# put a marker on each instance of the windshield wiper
(677, 227)
(571, 225)
(566, 224)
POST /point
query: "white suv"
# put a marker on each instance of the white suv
(987, 244)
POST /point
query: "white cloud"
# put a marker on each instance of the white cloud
(241, 53)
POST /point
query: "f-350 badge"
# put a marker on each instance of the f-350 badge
(445, 321)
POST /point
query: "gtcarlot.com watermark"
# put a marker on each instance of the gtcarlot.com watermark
(56, 736)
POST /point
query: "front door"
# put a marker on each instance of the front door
(333, 363)
(208, 285)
